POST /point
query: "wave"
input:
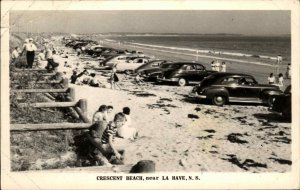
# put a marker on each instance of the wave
(199, 51)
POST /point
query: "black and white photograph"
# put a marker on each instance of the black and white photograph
(128, 94)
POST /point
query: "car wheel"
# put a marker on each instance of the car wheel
(182, 82)
(219, 100)
(270, 101)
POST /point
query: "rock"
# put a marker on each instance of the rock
(192, 116)
(143, 166)
(182, 162)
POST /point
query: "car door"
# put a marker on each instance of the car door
(200, 73)
(250, 90)
(233, 87)
(189, 72)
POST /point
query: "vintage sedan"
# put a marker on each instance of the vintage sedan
(127, 64)
(184, 73)
(150, 65)
(221, 88)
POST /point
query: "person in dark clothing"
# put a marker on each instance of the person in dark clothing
(30, 49)
(74, 77)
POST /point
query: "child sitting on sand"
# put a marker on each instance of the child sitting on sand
(104, 147)
(126, 131)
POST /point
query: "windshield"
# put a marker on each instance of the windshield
(208, 80)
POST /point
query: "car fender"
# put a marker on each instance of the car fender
(270, 92)
(211, 92)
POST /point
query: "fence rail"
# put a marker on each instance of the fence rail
(48, 126)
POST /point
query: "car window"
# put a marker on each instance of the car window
(199, 67)
(246, 81)
(229, 80)
(189, 67)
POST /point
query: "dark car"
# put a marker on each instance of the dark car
(282, 103)
(221, 88)
(183, 73)
(152, 74)
(150, 65)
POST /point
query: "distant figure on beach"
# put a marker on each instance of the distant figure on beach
(280, 81)
(271, 79)
(78, 50)
(42, 62)
(53, 61)
(103, 145)
(114, 79)
(223, 66)
(217, 66)
(15, 54)
(213, 66)
(100, 114)
(126, 131)
(138, 79)
(30, 49)
(93, 81)
(74, 76)
(288, 71)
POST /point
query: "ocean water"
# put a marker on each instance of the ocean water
(236, 45)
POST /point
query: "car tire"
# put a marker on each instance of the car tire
(182, 82)
(270, 101)
(219, 100)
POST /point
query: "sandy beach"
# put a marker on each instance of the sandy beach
(184, 134)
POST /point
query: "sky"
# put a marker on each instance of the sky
(154, 21)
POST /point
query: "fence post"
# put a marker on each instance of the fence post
(65, 83)
(71, 94)
(83, 106)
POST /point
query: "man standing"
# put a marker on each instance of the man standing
(30, 49)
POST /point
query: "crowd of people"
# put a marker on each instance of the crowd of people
(217, 66)
(100, 144)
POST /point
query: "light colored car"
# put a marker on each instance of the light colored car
(128, 65)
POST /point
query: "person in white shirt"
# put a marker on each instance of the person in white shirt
(126, 131)
(280, 81)
(271, 79)
(30, 49)
(217, 66)
(15, 54)
(223, 66)
(42, 62)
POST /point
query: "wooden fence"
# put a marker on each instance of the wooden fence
(78, 109)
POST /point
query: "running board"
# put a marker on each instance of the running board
(246, 100)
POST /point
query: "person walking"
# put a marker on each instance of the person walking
(30, 49)
(271, 79)
(114, 79)
(288, 71)
(280, 81)
(223, 67)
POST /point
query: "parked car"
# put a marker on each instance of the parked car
(128, 66)
(184, 73)
(150, 65)
(152, 74)
(222, 88)
(282, 103)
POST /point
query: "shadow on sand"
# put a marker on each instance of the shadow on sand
(271, 117)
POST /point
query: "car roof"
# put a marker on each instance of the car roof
(231, 74)
(187, 63)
